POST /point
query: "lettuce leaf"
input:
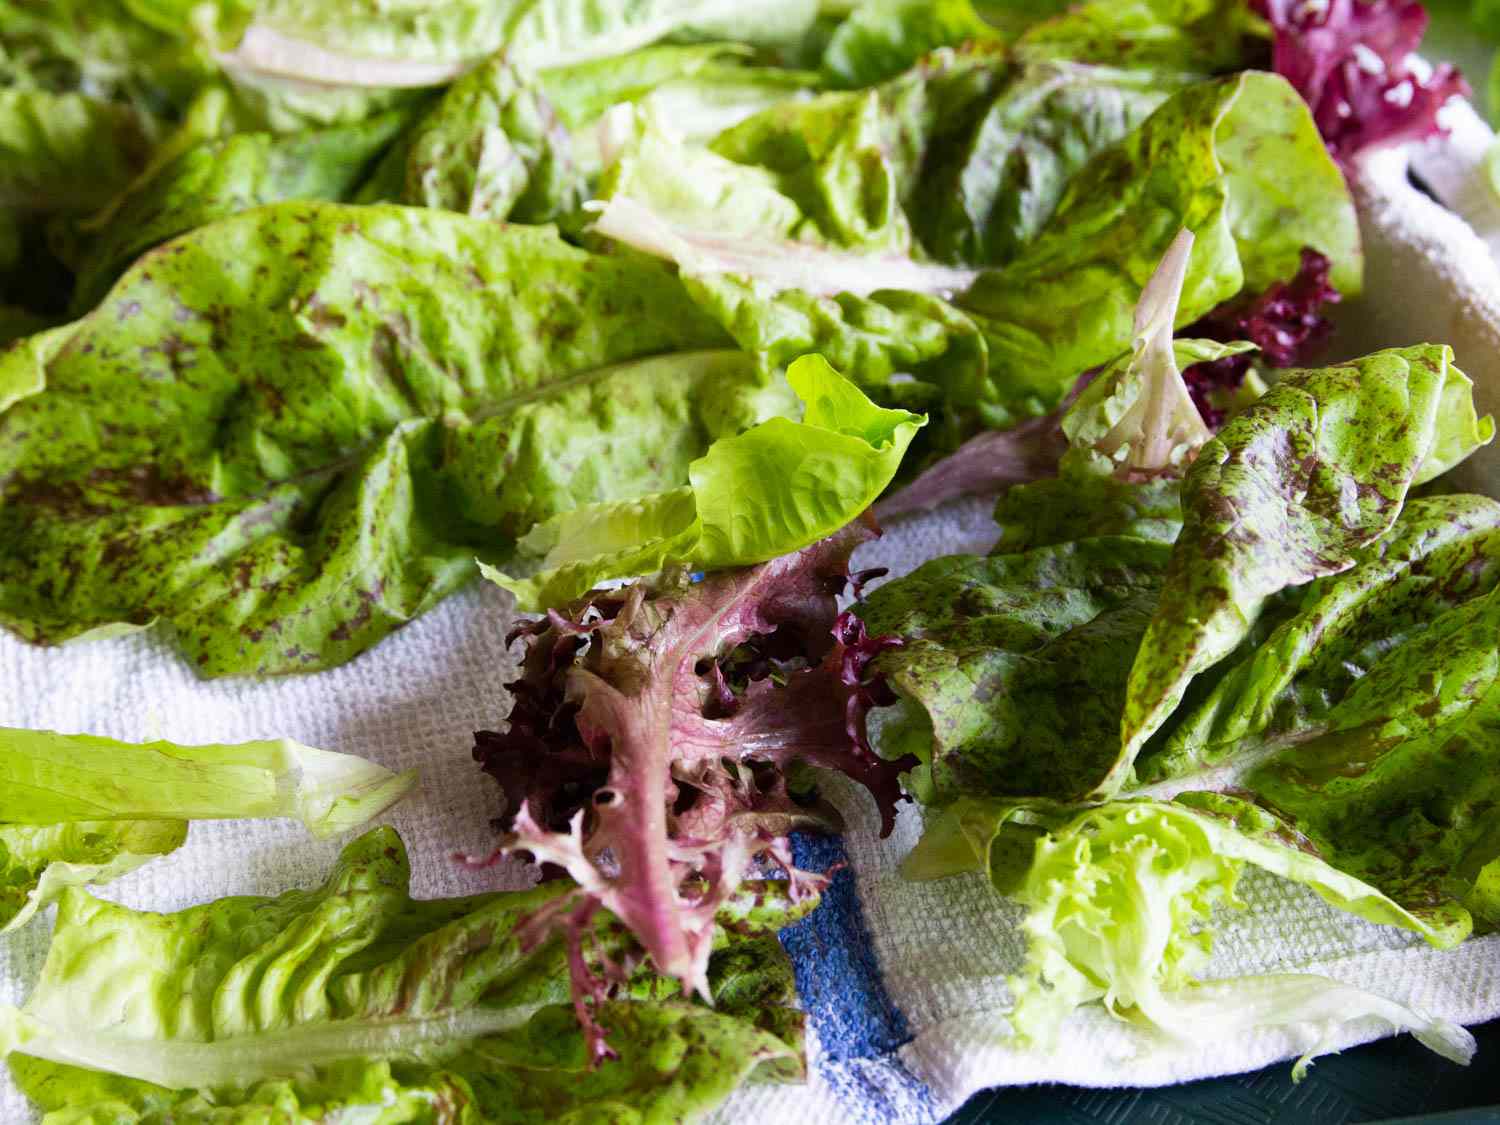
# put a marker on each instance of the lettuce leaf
(651, 748)
(882, 38)
(1288, 491)
(1018, 664)
(217, 178)
(354, 1000)
(321, 57)
(774, 489)
(38, 861)
(1119, 904)
(78, 809)
(290, 431)
(1064, 304)
(1192, 36)
(65, 151)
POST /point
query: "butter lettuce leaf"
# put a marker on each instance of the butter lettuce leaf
(774, 489)
(354, 999)
(78, 809)
(1119, 904)
(1290, 490)
(291, 431)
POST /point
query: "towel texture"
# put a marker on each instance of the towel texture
(905, 982)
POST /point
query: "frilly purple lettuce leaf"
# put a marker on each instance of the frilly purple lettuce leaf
(655, 731)
(1355, 63)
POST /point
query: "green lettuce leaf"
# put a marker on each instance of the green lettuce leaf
(1443, 551)
(37, 861)
(1079, 506)
(354, 1000)
(1119, 905)
(1017, 664)
(291, 431)
(78, 809)
(219, 178)
(1396, 785)
(992, 183)
(1202, 36)
(290, 49)
(1291, 489)
(1064, 303)
(48, 778)
(881, 38)
(769, 491)
(491, 148)
(65, 152)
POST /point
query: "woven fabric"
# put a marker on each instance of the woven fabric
(904, 982)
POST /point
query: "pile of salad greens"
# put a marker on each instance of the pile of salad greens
(310, 313)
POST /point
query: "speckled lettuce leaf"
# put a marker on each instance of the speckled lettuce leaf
(769, 491)
(1202, 36)
(1397, 785)
(353, 999)
(219, 177)
(37, 861)
(289, 432)
(1002, 168)
(1200, 161)
(882, 38)
(1119, 904)
(1083, 505)
(1017, 664)
(1290, 490)
(1442, 552)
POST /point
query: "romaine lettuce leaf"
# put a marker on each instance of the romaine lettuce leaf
(1443, 551)
(995, 175)
(1396, 784)
(78, 809)
(353, 999)
(1291, 489)
(774, 489)
(291, 431)
(37, 861)
(340, 49)
(491, 148)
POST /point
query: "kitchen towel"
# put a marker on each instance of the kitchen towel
(904, 982)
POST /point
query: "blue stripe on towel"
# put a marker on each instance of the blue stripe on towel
(838, 977)
(837, 974)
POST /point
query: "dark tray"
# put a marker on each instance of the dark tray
(1393, 1079)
